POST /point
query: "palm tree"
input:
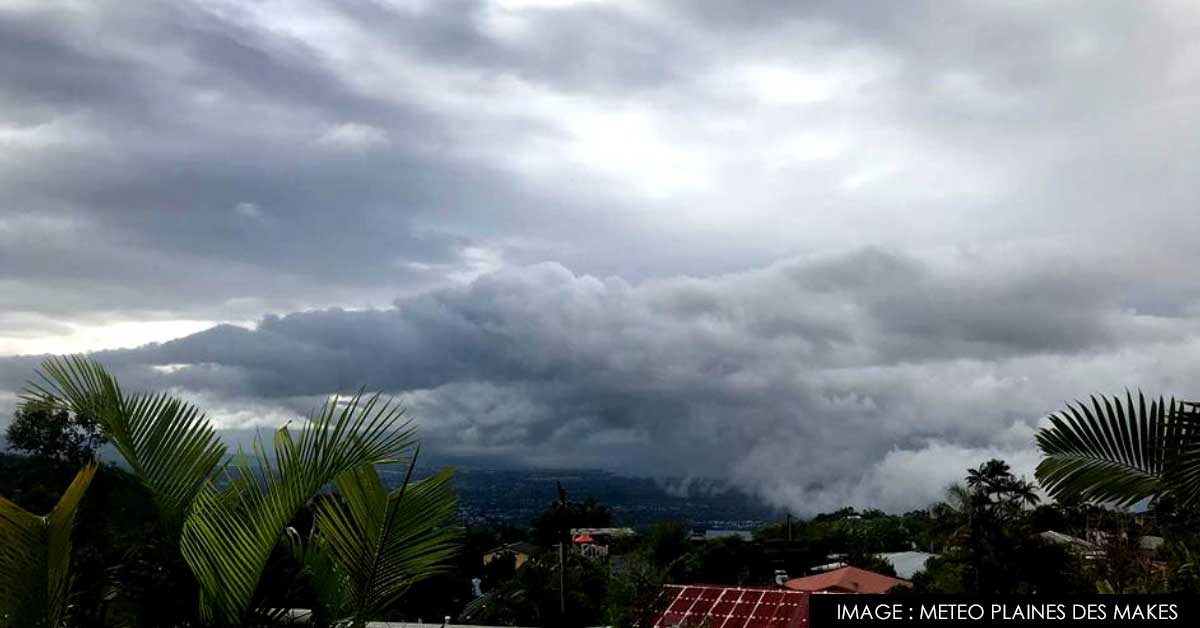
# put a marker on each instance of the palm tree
(995, 486)
(227, 517)
(993, 474)
(952, 517)
(1122, 451)
(35, 558)
(981, 523)
(383, 542)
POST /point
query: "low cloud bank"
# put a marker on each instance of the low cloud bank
(872, 378)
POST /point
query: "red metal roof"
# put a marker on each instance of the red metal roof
(846, 580)
(733, 607)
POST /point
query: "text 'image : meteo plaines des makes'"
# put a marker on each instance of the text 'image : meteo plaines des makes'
(846, 611)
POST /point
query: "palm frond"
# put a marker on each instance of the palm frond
(22, 566)
(1118, 450)
(168, 443)
(228, 536)
(329, 584)
(1183, 454)
(386, 541)
(35, 558)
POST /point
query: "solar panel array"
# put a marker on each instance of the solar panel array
(733, 607)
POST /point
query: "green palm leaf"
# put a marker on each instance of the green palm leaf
(1121, 451)
(386, 541)
(168, 443)
(22, 565)
(1183, 454)
(35, 558)
(327, 581)
(229, 535)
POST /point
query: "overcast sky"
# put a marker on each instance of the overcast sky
(832, 252)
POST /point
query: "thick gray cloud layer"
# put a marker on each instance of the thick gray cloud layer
(832, 252)
(869, 378)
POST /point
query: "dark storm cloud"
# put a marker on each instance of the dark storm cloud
(191, 145)
(834, 370)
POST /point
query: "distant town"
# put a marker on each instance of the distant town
(514, 496)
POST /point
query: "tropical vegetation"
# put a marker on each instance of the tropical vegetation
(1123, 451)
(236, 539)
(184, 532)
(1131, 452)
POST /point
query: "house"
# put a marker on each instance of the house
(1059, 538)
(732, 607)
(603, 535)
(521, 552)
(587, 546)
(846, 580)
(1083, 548)
(594, 542)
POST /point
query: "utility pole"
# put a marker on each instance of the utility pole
(562, 580)
(789, 527)
(562, 551)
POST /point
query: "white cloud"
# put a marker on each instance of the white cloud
(476, 262)
(785, 86)
(352, 136)
(249, 210)
(73, 337)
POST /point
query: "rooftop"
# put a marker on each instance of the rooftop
(603, 531)
(847, 580)
(733, 607)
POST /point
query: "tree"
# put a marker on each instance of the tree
(531, 596)
(662, 554)
(380, 542)
(44, 431)
(554, 524)
(227, 520)
(999, 491)
(635, 595)
(723, 561)
(951, 517)
(498, 571)
(1122, 451)
(665, 543)
(987, 542)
